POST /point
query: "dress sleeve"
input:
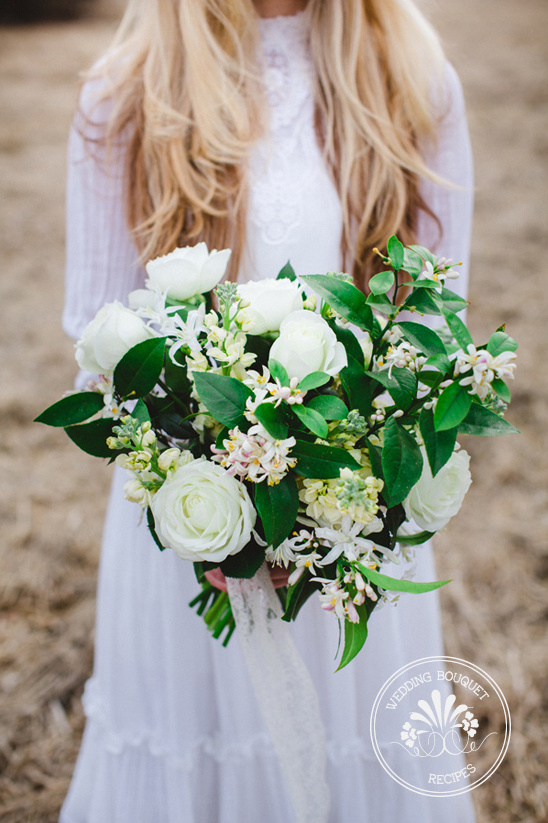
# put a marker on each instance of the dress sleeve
(451, 159)
(101, 259)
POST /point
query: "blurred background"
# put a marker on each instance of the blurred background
(52, 497)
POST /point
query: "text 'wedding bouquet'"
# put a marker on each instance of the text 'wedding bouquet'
(322, 438)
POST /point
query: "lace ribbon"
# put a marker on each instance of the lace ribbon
(285, 693)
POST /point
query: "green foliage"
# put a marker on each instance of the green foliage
(287, 272)
(485, 423)
(278, 372)
(273, 419)
(500, 342)
(329, 406)
(401, 462)
(382, 282)
(314, 380)
(72, 409)
(344, 298)
(395, 252)
(423, 338)
(452, 407)
(244, 564)
(318, 461)
(152, 529)
(277, 507)
(139, 369)
(92, 437)
(458, 329)
(392, 584)
(439, 445)
(401, 385)
(313, 420)
(223, 396)
(355, 635)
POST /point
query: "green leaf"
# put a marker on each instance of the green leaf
(375, 458)
(380, 302)
(223, 435)
(395, 252)
(458, 329)
(329, 406)
(402, 385)
(277, 507)
(499, 342)
(439, 445)
(382, 282)
(314, 380)
(139, 369)
(75, 408)
(344, 298)
(414, 539)
(485, 423)
(358, 387)
(401, 462)
(355, 635)
(423, 338)
(452, 407)
(287, 272)
(313, 420)
(245, 563)
(423, 301)
(348, 339)
(392, 584)
(318, 461)
(273, 419)
(140, 412)
(176, 377)
(224, 397)
(278, 372)
(452, 301)
(92, 437)
(297, 595)
(424, 253)
(425, 283)
(437, 361)
(412, 262)
(152, 529)
(431, 378)
(500, 388)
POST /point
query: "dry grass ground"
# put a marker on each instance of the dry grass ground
(52, 498)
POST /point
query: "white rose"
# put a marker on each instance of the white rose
(433, 501)
(307, 344)
(203, 513)
(184, 273)
(113, 331)
(269, 302)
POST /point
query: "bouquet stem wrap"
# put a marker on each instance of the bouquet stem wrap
(285, 693)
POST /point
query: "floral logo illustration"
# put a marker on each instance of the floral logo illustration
(440, 727)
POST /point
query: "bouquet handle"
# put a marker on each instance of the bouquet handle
(285, 693)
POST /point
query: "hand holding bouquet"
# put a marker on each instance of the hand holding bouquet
(320, 435)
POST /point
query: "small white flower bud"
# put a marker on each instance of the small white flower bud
(167, 458)
(149, 438)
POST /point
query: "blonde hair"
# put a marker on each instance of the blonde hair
(185, 83)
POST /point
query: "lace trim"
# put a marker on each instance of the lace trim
(287, 159)
(215, 745)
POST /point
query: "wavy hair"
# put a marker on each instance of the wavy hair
(184, 82)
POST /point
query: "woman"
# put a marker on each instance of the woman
(283, 132)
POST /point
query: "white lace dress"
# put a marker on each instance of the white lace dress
(174, 734)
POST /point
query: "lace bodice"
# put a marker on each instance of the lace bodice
(287, 173)
(294, 211)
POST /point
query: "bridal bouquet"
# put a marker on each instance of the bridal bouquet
(260, 423)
